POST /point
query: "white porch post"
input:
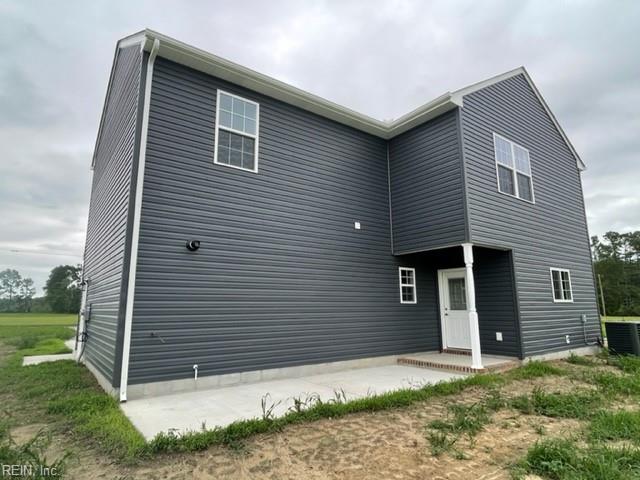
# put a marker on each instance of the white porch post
(474, 329)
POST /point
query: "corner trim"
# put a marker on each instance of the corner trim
(135, 236)
(463, 162)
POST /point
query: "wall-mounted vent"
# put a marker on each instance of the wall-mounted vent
(623, 337)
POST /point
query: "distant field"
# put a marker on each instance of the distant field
(36, 319)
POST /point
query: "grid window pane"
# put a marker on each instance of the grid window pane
(524, 187)
(250, 126)
(225, 119)
(226, 102)
(247, 161)
(250, 111)
(503, 152)
(505, 178)
(407, 294)
(457, 294)
(407, 285)
(223, 154)
(235, 158)
(522, 160)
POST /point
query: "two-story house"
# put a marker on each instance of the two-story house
(239, 224)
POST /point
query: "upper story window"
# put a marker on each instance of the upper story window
(513, 169)
(561, 284)
(407, 285)
(236, 132)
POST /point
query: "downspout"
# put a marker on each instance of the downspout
(135, 236)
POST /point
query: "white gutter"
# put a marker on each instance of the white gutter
(135, 237)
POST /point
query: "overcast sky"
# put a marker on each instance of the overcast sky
(380, 58)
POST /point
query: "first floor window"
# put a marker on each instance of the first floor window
(407, 285)
(514, 168)
(236, 132)
(561, 284)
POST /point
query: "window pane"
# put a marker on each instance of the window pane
(250, 110)
(247, 160)
(557, 285)
(223, 154)
(566, 286)
(457, 294)
(505, 178)
(238, 122)
(503, 152)
(248, 145)
(223, 137)
(408, 294)
(238, 106)
(236, 141)
(235, 158)
(225, 119)
(226, 102)
(524, 187)
(522, 160)
(250, 126)
(409, 277)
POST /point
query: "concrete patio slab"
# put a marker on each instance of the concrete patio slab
(189, 411)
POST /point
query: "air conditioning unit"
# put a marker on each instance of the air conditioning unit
(623, 337)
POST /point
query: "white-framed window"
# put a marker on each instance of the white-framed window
(407, 285)
(236, 136)
(513, 169)
(561, 285)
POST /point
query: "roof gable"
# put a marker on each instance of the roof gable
(201, 60)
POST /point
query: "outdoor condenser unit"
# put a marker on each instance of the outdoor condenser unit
(623, 337)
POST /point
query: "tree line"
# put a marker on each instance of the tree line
(62, 291)
(616, 259)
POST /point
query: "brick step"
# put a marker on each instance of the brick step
(415, 362)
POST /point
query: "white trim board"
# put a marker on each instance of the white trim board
(135, 235)
(203, 61)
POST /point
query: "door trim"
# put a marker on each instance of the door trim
(443, 325)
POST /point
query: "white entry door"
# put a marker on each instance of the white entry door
(453, 308)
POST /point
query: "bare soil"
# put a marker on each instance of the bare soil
(383, 445)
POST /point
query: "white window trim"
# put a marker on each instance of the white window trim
(513, 169)
(563, 300)
(238, 132)
(412, 285)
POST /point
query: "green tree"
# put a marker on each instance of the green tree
(26, 291)
(617, 263)
(9, 283)
(63, 290)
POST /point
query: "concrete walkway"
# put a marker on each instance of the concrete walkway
(187, 411)
(37, 359)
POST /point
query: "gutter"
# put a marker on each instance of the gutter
(135, 237)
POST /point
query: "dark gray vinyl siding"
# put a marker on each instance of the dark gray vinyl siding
(282, 277)
(495, 302)
(427, 192)
(104, 259)
(551, 233)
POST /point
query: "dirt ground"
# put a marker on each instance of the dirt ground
(384, 445)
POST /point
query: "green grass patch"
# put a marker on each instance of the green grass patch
(37, 319)
(579, 404)
(562, 459)
(534, 369)
(612, 426)
(580, 360)
(611, 384)
(48, 346)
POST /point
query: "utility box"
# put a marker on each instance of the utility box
(623, 338)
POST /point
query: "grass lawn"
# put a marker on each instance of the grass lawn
(621, 319)
(592, 393)
(37, 319)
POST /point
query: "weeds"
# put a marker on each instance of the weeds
(579, 360)
(562, 459)
(30, 456)
(580, 404)
(620, 425)
(535, 369)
